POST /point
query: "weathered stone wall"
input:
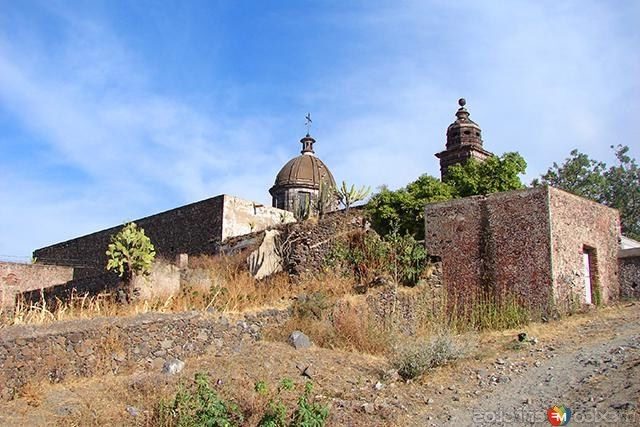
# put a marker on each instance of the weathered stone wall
(495, 243)
(629, 273)
(244, 217)
(191, 229)
(577, 223)
(517, 240)
(83, 348)
(524, 242)
(16, 278)
(311, 241)
(103, 283)
(453, 232)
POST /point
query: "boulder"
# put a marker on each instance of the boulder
(299, 340)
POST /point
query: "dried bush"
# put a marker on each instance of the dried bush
(415, 358)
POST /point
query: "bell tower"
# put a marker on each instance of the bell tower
(464, 141)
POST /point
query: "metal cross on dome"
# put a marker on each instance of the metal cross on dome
(307, 122)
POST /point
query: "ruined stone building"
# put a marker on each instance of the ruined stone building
(199, 227)
(545, 247)
(192, 229)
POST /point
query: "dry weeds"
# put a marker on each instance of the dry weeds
(231, 290)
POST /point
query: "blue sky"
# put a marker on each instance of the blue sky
(114, 110)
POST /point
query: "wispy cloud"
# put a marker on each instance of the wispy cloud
(541, 78)
(137, 151)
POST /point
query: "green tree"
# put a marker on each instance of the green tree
(130, 253)
(616, 186)
(579, 175)
(623, 191)
(495, 174)
(402, 211)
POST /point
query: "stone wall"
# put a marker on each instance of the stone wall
(519, 247)
(194, 229)
(309, 242)
(496, 243)
(453, 231)
(304, 244)
(522, 243)
(629, 273)
(102, 283)
(163, 281)
(190, 229)
(244, 217)
(83, 348)
(577, 225)
(16, 278)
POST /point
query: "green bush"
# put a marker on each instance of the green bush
(200, 407)
(130, 252)
(409, 258)
(306, 414)
(366, 255)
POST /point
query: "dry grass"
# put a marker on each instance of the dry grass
(225, 286)
(344, 323)
(31, 394)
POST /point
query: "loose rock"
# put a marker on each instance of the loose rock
(299, 340)
(173, 366)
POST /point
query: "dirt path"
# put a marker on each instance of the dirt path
(590, 363)
(592, 367)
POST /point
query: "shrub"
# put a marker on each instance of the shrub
(415, 358)
(409, 258)
(130, 253)
(366, 255)
(201, 407)
(306, 414)
(356, 329)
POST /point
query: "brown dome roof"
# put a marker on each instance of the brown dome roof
(305, 171)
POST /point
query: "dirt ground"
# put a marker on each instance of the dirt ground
(589, 362)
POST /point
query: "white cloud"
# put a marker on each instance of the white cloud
(540, 78)
(142, 152)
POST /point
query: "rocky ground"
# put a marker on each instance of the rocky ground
(589, 363)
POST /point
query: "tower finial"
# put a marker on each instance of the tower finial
(307, 122)
(462, 102)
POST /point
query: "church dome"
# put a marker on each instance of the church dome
(302, 183)
(304, 171)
